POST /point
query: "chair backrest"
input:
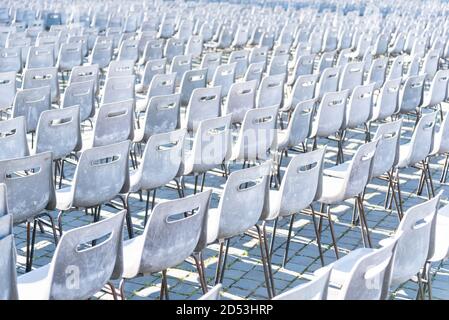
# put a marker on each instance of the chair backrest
(303, 167)
(83, 74)
(326, 61)
(191, 80)
(279, 65)
(70, 55)
(42, 56)
(194, 46)
(152, 68)
(370, 276)
(258, 55)
(254, 72)
(411, 94)
(30, 103)
(180, 65)
(58, 131)
(212, 294)
(242, 200)
(360, 106)
(154, 49)
(82, 40)
(359, 170)
(328, 81)
(118, 89)
(7, 89)
(13, 140)
(303, 65)
(377, 72)
(120, 68)
(42, 77)
(93, 265)
(299, 126)
(430, 64)
(413, 66)
(11, 59)
(413, 246)
(240, 58)
(161, 159)
(8, 285)
(387, 101)
(257, 134)
(316, 289)
(396, 68)
(387, 151)
(29, 181)
(82, 95)
(170, 236)
(101, 174)
(303, 89)
(330, 114)
(271, 91)
(129, 50)
(211, 145)
(210, 61)
(241, 98)
(224, 76)
(162, 84)
(174, 47)
(114, 123)
(438, 87)
(102, 53)
(204, 104)
(421, 142)
(352, 76)
(439, 242)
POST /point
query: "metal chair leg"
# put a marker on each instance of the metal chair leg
(270, 269)
(122, 289)
(264, 262)
(203, 180)
(290, 229)
(113, 291)
(364, 222)
(225, 258)
(60, 222)
(445, 169)
(273, 236)
(31, 239)
(129, 223)
(318, 236)
(331, 227)
(200, 271)
(164, 286)
(220, 262)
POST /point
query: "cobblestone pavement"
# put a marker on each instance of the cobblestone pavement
(244, 278)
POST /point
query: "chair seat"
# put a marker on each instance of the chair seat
(282, 136)
(141, 105)
(404, 151)
(64, 198)
(338, 171)
(272, 209)
(441, 250)
(213, 224)
(132, 249)
(341, 270)
(138, 135)
(35, 285)
(331, 192)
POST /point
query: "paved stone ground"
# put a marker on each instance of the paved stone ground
(244, 277)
